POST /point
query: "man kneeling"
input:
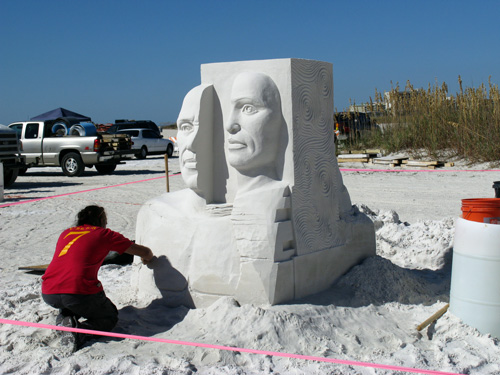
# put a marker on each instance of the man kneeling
(70, 283)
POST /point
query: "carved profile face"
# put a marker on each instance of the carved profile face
(254, 124)
(188, 124)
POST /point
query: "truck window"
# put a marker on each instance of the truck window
(18, 128)
(31, 131)
(148, 134)
(47, 130)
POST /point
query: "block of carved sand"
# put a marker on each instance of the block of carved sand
(325, 225)
(279, 223)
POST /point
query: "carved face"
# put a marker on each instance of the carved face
(187, 137)
(254, 124)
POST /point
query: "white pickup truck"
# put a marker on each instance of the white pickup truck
(42, 147)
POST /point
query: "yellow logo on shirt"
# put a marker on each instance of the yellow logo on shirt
(78, 235)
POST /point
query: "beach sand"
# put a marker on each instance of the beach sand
(369, 315)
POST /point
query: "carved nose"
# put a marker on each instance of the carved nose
(234, 128)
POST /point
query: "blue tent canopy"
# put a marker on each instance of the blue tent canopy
(60, 112)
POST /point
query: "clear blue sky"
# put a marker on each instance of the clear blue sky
(137, 59)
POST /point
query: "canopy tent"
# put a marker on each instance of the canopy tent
(58, 113)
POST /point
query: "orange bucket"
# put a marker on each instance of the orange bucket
(482, 210)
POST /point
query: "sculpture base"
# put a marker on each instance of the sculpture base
(198, 261)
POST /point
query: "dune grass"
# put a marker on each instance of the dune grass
(464, 125)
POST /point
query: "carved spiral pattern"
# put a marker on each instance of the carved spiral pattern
(308, 107)
(325, 179)
(317, 184)
(326, 83)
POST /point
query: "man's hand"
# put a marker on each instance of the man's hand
(142, 251)
(148, 261)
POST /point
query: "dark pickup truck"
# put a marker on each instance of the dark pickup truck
(10, 155)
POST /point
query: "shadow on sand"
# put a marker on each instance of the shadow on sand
(163, 313)
(38, 187)
(90, 173)
(377, 281)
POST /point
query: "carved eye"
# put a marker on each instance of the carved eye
(248, 109)
(186, 127)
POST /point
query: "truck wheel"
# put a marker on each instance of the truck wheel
(105, 168)
(170, 150)
(9, 176)
(72, 164)
(143, 153)
(22, 171)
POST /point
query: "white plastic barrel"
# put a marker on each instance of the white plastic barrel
(1, 182)
(475, 275)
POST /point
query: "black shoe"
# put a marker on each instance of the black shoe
(63, 313)
(69, 340)
(59, 319)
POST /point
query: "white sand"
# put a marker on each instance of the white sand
(370, 315)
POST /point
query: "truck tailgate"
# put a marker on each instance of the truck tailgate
(115, 142)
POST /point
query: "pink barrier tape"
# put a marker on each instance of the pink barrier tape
(79, 192)
(228, 348)
(416, 170)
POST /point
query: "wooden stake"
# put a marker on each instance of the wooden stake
(434, 317)
(166, 171)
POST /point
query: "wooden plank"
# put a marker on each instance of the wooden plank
(421, 166)
(417, 163)
(388, 161)
(354, 160)
(373, 151)
(393, 158)
(390, 157)
(31, 268)
(366, 151)
(40, 269)
(353, 156)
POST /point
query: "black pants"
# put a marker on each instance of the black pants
(100, 312)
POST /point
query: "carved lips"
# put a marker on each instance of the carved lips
(235, 144)
(189, 159)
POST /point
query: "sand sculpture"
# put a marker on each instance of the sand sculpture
(265, 217)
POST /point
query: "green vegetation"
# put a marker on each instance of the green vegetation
(465, 125)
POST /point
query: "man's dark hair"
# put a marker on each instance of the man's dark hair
(90, 215)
